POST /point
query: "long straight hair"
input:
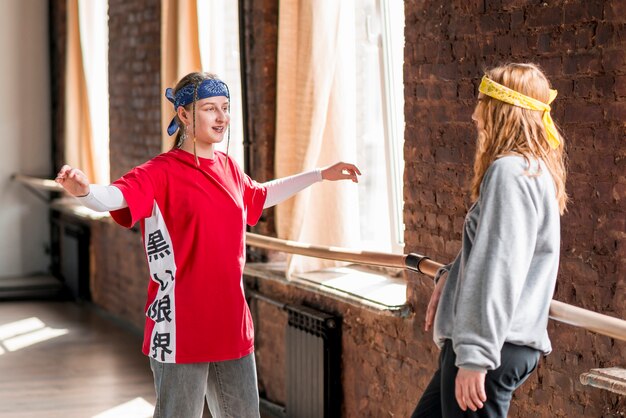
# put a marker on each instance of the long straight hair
(508, 129)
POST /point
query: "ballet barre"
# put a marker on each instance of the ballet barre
(562, 312)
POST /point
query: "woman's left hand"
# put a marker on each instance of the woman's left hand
(341, 171)
(433, 303)
(469, 389)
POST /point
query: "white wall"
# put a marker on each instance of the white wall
(24, 134)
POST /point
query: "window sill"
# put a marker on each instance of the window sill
(354, 284)
(71, 206)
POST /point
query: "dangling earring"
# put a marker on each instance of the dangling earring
(183, 134)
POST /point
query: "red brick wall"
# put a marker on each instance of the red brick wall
(119, 272)
(381, 363)
(582, 47)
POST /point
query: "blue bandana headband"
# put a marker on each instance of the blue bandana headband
(211, 87)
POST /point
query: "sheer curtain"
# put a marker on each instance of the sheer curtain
(316, 123)
(94, 39)
(78, 144)
(180, 53)
(218, 28)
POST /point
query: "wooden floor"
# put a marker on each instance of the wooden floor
(62, 359)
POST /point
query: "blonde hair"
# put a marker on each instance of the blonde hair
(508, 129)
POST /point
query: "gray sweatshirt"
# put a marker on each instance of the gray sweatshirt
(500, 285)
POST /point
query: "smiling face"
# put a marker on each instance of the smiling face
(212, 119)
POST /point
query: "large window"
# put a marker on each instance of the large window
(380, 121)
(379, 113)
(86, 89)
(94, 38)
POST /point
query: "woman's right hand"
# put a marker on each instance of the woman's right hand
(341, 171)
(74, 181)
(431, 310)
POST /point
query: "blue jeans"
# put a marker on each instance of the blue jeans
(438, 400)
(230, 388)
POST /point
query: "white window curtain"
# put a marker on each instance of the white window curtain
(218, 29)
(86, 89)
(316, 123)
(94, 39)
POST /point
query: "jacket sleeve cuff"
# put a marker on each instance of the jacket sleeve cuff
(476, 358)
(441, 272)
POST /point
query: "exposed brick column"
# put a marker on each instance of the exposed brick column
(134, 82)
(58, 39)
(260, 36)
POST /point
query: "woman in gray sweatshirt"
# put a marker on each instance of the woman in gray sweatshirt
(490, 305)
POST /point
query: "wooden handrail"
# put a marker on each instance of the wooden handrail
(559, 311)
(332, 253)
(589, 320)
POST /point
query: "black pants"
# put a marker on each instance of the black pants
(438, 400)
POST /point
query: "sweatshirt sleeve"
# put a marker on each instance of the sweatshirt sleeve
(446, 269)
(497, 266)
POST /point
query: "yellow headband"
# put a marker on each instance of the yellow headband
(507, 95)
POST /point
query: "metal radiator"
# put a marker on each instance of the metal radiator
(70, 253)
(313, 363)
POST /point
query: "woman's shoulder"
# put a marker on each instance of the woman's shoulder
(510, 162)
(513, 169)
(157, 167)
(515, 165)
(232, 163)
(174, 159)
(162, 159)
(511, 174)
(508, 166)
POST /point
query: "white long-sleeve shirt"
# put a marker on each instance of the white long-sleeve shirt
(107, 198)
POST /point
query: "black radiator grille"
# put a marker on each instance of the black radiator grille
(313, 363)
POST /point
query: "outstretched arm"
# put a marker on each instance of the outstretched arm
(282, 189)
(94, 196)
